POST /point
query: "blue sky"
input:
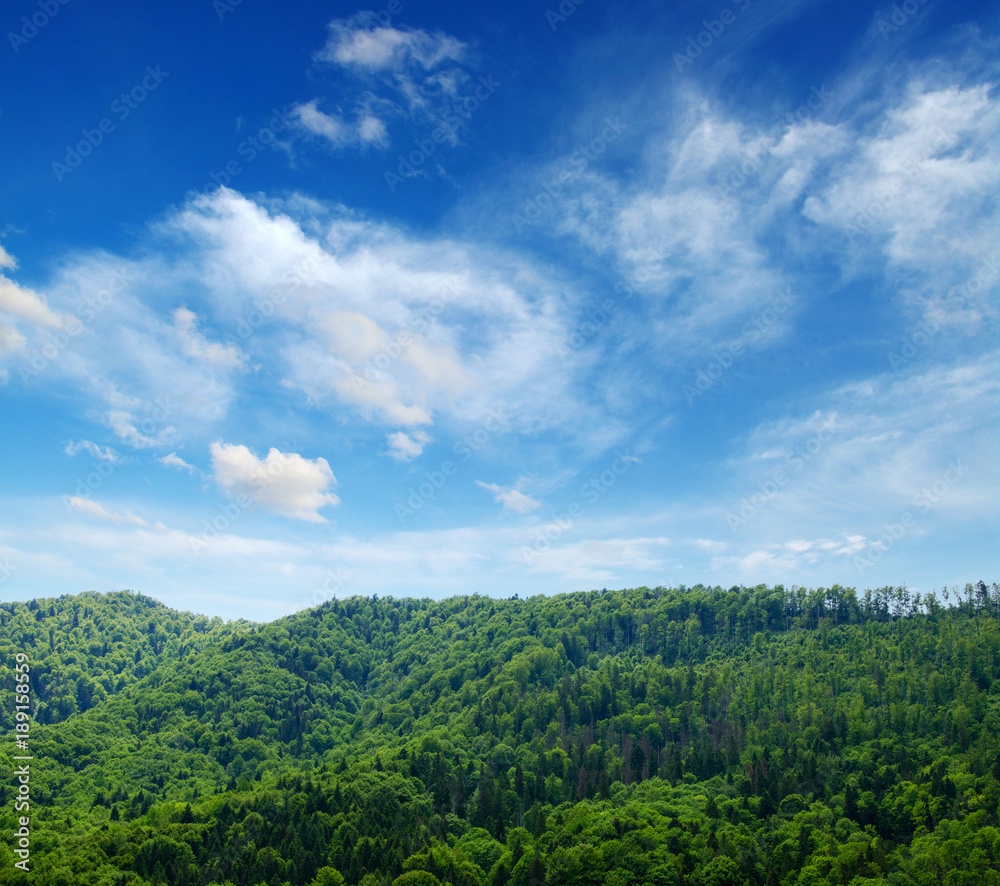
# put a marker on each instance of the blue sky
(429, 299)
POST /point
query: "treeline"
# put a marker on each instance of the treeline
(663, 736)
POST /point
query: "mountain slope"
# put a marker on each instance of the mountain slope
(647, 736)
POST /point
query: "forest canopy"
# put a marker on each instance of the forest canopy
(646, 736)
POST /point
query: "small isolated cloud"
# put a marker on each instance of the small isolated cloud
(372, 132)
(512, 499)
(333, 129)
(283, 483)
(196, 346)
(354, 43)
(396, 73)
(92, 508)
(708, 545)
(406, 447)
(175, 461)
(106, 454)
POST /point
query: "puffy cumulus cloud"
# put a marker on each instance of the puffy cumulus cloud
(406, 447)
(400, 327)
(379, 372)
(511, 498)
(283, 483)
(196, 346)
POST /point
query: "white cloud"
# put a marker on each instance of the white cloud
(196, 346)
(406, 447)
(11, 341)
(152, 432)
(372, 131)
(173, 460)
(399, 326)
(106, 454)
(600, 560)
(921, 189)
(283, 483)
(512, 499)
(93, 509)
(333, 129)
(357, 43)
(400, 74)
(20, 301)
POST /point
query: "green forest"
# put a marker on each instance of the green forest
(701, 736)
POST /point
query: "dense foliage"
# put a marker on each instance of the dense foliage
(651, 736)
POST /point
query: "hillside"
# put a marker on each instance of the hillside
(660, 736)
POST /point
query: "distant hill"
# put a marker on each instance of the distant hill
(647, 736)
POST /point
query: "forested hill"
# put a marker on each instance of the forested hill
(651, 736)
